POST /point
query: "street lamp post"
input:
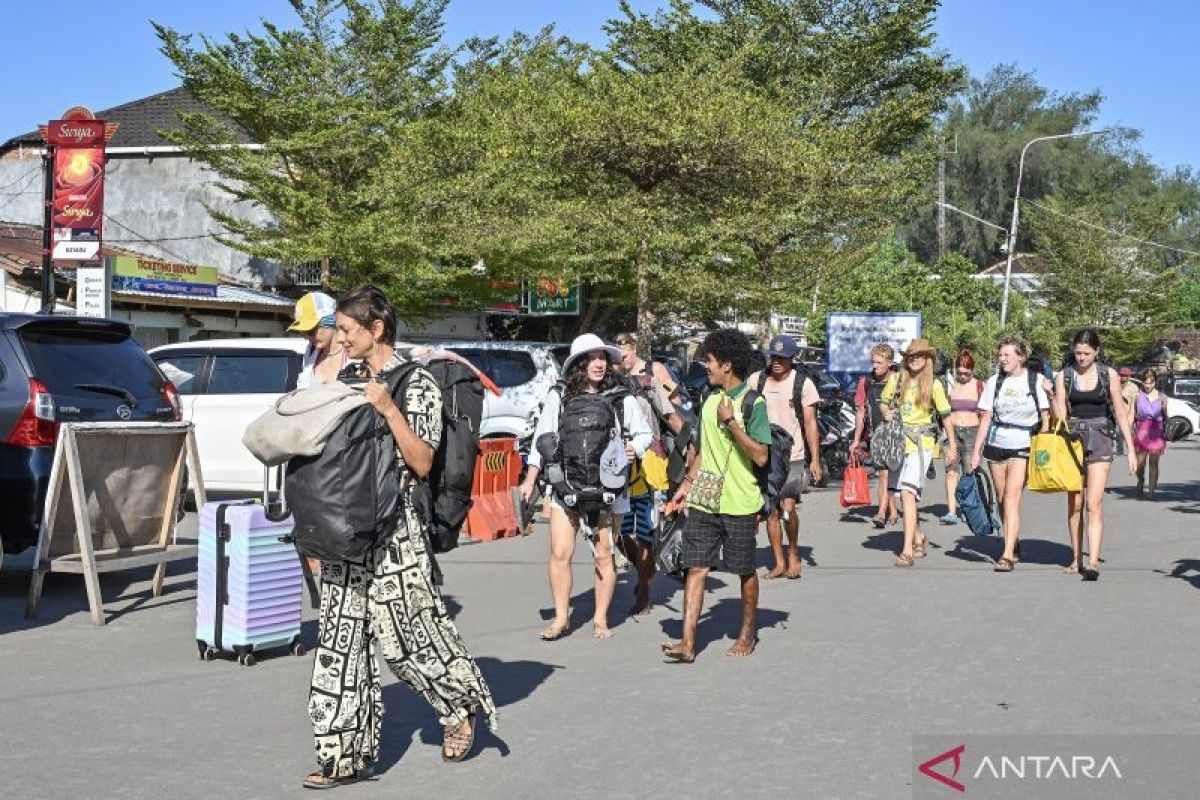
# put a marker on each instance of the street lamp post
(1012, 229)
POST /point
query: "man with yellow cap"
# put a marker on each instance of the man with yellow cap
(315, 320)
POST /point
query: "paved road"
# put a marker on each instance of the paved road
(855, 659)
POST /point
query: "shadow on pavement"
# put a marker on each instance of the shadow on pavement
(64, 594)
(408, 714)
(989, 548)
(888, 541)
(765, 559)
(722, 620)
(1186, 569)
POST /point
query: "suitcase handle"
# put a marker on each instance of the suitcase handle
(275, 510)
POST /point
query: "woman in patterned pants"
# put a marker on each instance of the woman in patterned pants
(387, 601)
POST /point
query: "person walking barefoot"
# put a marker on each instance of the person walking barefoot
(721, 492)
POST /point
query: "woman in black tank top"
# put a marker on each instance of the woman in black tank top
(1091, 403)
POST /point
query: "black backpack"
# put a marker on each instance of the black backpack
(588, 424)
(444, 498)
(771, 476)
(347, 497)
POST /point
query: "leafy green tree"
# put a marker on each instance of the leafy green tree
(331, 102)
(1098, 279)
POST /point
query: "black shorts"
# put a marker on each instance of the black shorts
(722, 542)
(998, 455)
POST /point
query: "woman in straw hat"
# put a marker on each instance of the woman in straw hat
(918, 401)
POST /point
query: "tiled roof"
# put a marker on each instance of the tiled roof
(141, 120)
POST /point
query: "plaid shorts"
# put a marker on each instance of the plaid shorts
(723, 542)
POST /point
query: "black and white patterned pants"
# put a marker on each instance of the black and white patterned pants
(387, 604)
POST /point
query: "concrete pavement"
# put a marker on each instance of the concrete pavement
(855, 659)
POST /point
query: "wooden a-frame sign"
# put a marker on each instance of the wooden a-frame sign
(111, 503)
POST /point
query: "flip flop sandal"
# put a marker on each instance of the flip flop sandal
(919, 548)
(1090, 573)
(319, 780)
(878, 522)
(903, 560)
(1004, 565)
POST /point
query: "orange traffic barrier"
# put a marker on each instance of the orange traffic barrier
(497, 470)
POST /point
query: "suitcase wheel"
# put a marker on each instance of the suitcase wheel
(297, 648)
(246, 659)
(205, 652)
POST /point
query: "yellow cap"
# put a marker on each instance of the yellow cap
(312, 310)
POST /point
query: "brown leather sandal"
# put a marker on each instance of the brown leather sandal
(1004, 565)
(319, 780)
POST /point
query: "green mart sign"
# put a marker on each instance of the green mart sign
(547, 298)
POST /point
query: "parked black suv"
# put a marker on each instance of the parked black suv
(64, 369)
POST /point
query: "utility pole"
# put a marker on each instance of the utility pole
(1012, 228)
(941, 207)
(47, 223)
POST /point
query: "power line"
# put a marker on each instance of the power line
(21, 178)
(1101, 228)
(144, 239)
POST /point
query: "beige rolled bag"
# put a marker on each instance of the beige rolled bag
(300, 422)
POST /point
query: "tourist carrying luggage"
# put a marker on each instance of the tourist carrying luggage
(868, 416)
(589, 431)
(792, 400)
(385, 599)
(1014, 407)
(1149, 413)
(1088, 395)
(918, 400)
(964, 391)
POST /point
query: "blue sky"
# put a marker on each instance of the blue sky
(1141, 56)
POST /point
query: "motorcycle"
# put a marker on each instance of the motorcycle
(835, 428)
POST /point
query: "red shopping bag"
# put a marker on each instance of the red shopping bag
(856, 489)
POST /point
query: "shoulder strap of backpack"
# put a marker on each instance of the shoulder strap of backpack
(1033, 387)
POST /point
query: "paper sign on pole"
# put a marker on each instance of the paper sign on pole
(92, 291)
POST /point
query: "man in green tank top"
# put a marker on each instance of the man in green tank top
(721, 491)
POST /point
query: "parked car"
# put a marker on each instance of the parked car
(524, 372)
(57, 369)
(224, 384)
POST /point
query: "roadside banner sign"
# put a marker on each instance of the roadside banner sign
(554, 298)
(849, 337)
(163, 277)
(77, 186)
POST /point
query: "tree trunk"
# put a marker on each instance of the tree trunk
(645, 317)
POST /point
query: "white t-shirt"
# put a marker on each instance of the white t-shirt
(1014, 406)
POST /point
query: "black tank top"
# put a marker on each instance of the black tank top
(1089, 404)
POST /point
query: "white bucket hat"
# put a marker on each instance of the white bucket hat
(588, 343)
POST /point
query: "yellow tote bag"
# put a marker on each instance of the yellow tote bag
(1056, 461)
(654, 470)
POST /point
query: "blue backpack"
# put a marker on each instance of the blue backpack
(977, 503)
